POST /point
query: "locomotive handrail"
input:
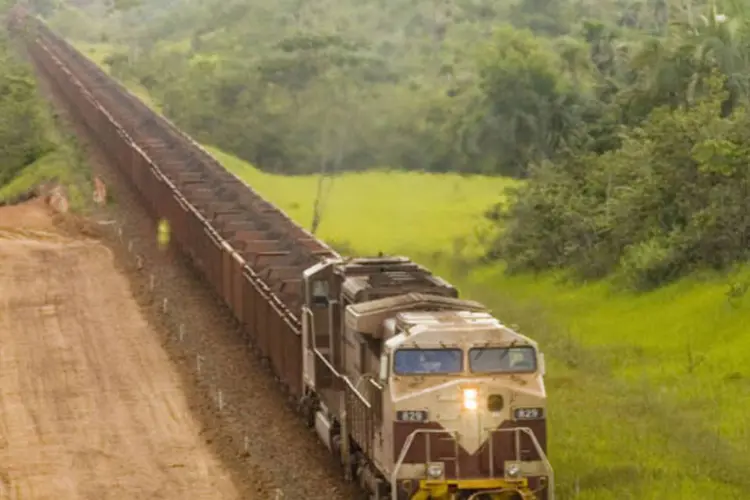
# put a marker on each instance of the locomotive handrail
(307, 312)
(368, 377)
(356, 392)
(407, 446)
(515, 430)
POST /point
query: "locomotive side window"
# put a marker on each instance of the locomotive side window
(427, 361)
(502, 359)
(320, 293)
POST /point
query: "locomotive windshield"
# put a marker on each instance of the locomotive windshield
(427, 361)
(502, 359)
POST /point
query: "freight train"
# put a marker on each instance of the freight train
(417, 393)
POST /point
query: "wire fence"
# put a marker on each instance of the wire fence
(192, 347)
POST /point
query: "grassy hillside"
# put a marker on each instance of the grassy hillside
(63, 164)
(648, 393)
(33, 148)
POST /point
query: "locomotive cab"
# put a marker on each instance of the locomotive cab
(464, 411)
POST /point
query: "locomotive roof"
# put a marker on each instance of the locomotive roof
(444, 326)
(448, 319)
(374, 278)
(367, 317)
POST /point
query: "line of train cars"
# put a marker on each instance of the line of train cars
(419, 394)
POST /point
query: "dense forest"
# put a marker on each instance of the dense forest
(22, 130)
(626, 117)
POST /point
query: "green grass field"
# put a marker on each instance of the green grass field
(649, 394)
(383, 211)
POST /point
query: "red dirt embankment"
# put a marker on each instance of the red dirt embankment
(90, 405)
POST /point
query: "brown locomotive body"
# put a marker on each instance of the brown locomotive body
(420, 394)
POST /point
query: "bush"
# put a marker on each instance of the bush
(22, 139)
(671, 199)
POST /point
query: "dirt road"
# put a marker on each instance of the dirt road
(90, 405)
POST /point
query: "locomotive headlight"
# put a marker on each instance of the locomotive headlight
(470, 399)
(435, 471)
(513, 470)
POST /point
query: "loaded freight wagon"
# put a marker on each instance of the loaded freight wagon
(419, 394)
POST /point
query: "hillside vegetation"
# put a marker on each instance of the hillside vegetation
(22, 138)
(626, 122)
(32, 149)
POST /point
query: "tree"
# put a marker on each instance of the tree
(526, 110)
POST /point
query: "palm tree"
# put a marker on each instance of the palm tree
(673, 70)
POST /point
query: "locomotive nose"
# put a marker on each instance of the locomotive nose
(471, 409)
